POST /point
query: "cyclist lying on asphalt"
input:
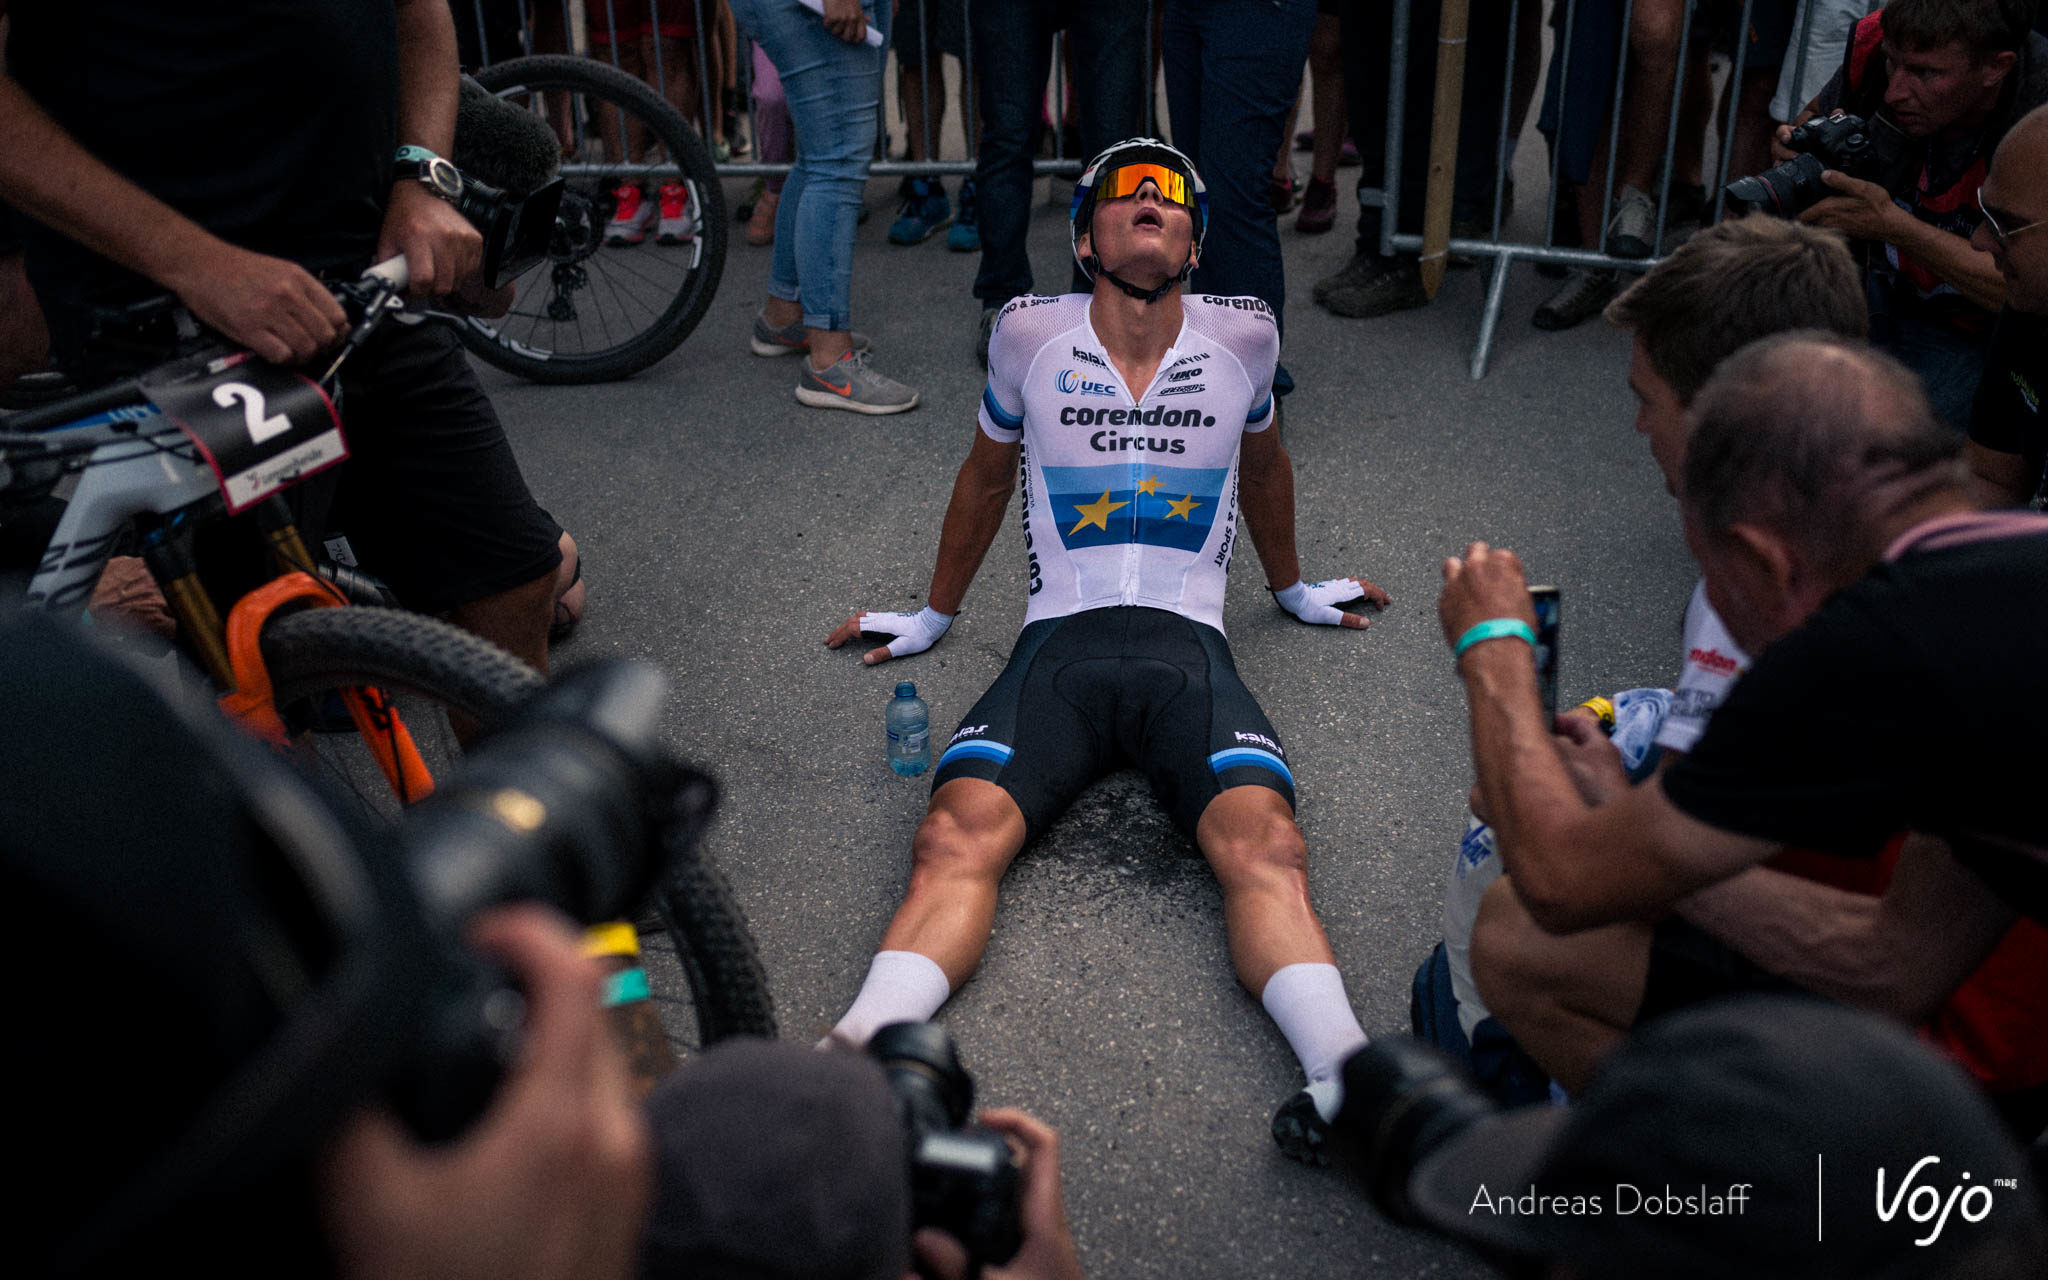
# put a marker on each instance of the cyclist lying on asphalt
(1137, 414)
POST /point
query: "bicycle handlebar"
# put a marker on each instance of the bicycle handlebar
(385, 280)
(392, 271)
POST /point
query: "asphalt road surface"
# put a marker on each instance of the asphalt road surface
(727, 529)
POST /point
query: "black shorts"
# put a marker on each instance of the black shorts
(1095, 691)
(1689, 966)
(431, 499)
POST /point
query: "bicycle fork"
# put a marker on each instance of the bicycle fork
(232, 653)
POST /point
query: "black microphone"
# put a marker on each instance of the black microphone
(502, 144)
(508, 157)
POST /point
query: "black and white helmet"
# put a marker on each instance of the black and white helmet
(1138, 151)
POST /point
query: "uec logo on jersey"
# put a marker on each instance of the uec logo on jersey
(1071, 382)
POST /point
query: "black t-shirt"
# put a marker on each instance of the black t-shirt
(1913, 699)
(271, 123)
(2007, 415)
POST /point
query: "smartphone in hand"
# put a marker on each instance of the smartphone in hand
(1547, 602)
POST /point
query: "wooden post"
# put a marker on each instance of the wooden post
(1443, 143)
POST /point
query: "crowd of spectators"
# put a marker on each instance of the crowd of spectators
(1636, 135)
(1846, 407)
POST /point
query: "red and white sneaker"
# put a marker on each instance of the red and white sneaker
(629, 221)
(678, 222)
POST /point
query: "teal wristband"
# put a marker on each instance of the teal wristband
(1493, 629)
(624, 987)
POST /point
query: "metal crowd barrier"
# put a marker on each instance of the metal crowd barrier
(578, 17)
(1505, 253)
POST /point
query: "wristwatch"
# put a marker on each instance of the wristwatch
(437, 175)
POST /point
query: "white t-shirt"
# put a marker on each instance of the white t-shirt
(1713, 662)
(1129, 499)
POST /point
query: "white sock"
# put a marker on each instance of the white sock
(1308, 1004)
(901, 986)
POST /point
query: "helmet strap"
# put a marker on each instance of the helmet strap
(1094, 266)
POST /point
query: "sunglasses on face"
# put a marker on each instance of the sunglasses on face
(2000, 222)
(1122, 182)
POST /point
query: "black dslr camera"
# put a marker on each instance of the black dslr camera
(517, 230)
(962, 1178)
(575, 803)
(1403, 1099)
(1839, 141)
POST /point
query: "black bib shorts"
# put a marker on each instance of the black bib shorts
(1095, 691)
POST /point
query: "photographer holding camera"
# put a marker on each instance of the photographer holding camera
(1937, 83)
(386, 1056)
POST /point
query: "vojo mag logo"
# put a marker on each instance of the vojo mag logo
(1070, 382)
(1926, 1206)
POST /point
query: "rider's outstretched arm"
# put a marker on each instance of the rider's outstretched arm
(981, 493)
(1266, 495)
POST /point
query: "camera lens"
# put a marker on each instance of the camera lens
(1402, 1100)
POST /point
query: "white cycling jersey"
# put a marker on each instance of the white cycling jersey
(1130, 497)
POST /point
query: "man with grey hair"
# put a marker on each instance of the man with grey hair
(1826, 504)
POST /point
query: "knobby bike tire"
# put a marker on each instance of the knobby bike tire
(314, 651)
(631, 287)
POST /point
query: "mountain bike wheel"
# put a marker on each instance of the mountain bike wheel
(427, 668)
(593, 311)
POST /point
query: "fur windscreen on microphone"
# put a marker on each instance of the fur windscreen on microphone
(502, 144)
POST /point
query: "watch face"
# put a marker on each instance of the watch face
(444, 178)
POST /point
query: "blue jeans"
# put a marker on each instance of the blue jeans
(1012, 56)
(1232, 71)
(834, 91)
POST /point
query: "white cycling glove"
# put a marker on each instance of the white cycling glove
(1317, 601)
(914, 632)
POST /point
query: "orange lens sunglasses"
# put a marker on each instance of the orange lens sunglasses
(1125, 181)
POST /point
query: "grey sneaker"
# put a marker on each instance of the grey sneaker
(1383, 286)
(851, 384)
(1584, 295)
(1633, 231)
(793, 338)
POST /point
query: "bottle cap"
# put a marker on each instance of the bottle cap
(906, 689)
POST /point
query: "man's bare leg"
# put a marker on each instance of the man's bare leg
(1566, 1000)
(970, 835)
(1278, 948)
(1249, 836)
(516, 620)
(1652, 70)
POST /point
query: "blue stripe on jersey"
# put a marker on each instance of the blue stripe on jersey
(1239, 756)
(975, 749)
(1265, 407)
(1004, 419)
(1135, 502)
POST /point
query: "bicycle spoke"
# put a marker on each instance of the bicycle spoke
(601, 310)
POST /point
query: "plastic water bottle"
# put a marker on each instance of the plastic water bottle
(910, 738)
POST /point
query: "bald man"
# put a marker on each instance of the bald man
(1826, 504)
(2008, 436)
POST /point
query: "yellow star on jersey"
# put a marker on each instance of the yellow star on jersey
(1096, 513)
(1149, 485)
(1182, 507)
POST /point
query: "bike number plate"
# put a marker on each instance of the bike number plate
(260, 428)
